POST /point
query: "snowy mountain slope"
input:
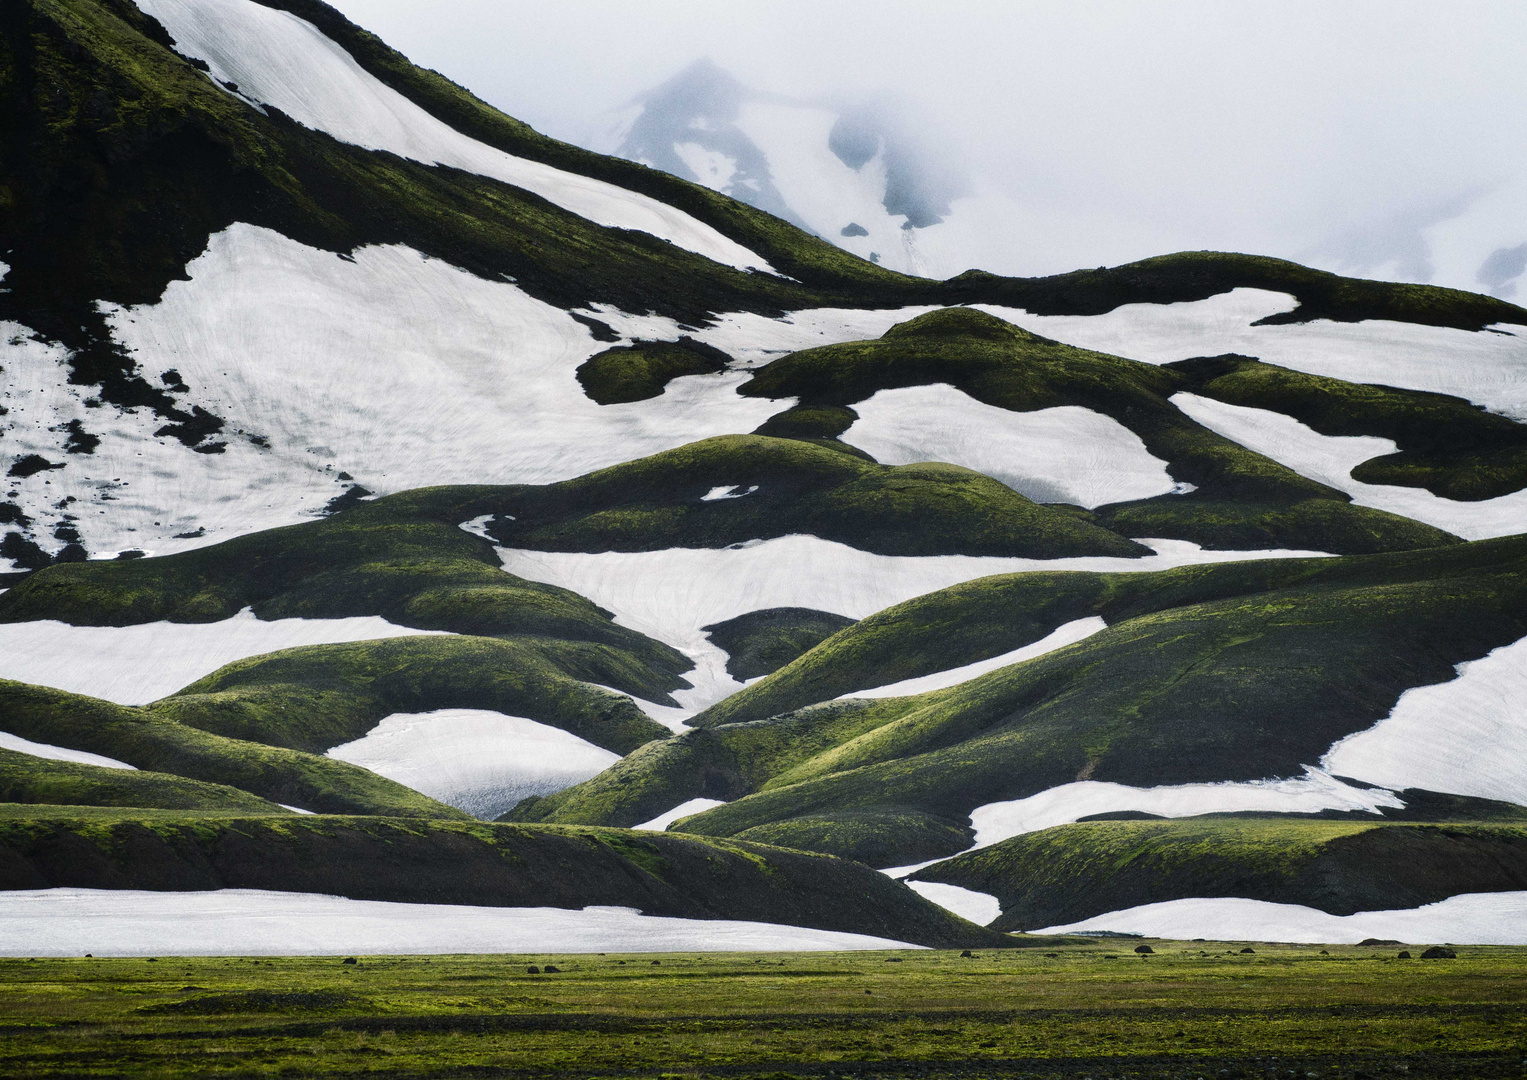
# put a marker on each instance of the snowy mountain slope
(853, 175)
(278, 59)
(339, 352)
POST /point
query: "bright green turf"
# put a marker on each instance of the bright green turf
(1192, 1009)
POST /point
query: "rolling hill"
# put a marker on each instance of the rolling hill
(394, 495)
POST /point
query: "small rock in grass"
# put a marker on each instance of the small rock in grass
(1144, 950)
(551, 969)
(967, 955)
(1438, 952)
(532, 970)
(1403, 955)
(1248, 950)
(655, 963)
(348, 960)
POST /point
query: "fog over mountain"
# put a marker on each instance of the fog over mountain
(1382, 140)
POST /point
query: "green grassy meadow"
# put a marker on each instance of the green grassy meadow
(1069, 1007)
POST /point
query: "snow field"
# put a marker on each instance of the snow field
(1315, 791)
(255, 922)
(1467, 736)
(671, 594)
(476, 760)
(278, 59)
(1066, 454)
(134, 665)
(59, 753)
(684, 809)
(1468, 919)
(1487, 368)
(979, 907)
(400, 370)
(1058, 638)
(1330, 459)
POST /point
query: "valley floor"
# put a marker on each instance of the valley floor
(1062, 1007)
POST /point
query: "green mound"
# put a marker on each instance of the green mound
(782, 486)
(1242, 499)
(881, 837)
(157, 744)
(761, 642)
(444, 862)
(1449, 446)
(33, 780)
(644, 370)
(319, 696)
(1074, 872)
(1198, 275)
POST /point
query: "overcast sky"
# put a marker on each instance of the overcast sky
(1384, 138)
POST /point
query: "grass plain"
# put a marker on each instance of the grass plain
(1066, 1007)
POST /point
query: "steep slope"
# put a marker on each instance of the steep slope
(157, 218)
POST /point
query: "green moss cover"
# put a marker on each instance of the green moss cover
(316, 697)
(644, 369)
(761, 642)
(785, 486)
(1074, 872)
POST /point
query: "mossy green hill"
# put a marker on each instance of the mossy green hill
(1243, 500)
(782, 486)
(446, 862)
(41, 781)
(158, 744)
(1230, 672)
(1074, 872)
(1449, 446)
(319, 696)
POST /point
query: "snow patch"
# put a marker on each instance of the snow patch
(1467, 919)
(400, 370)
(1315, 791)
(1487, 368)
(1066, 454)
(278, 59)
(476, 760)
(684, 809)
(979, 907)
(59, 753)
(1467, 736)
(1330, 459)
(134, 665)
(1059, 638)
(256, 922)
(756, 339)
(671, 594)
(734, 491)
(295, 809)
